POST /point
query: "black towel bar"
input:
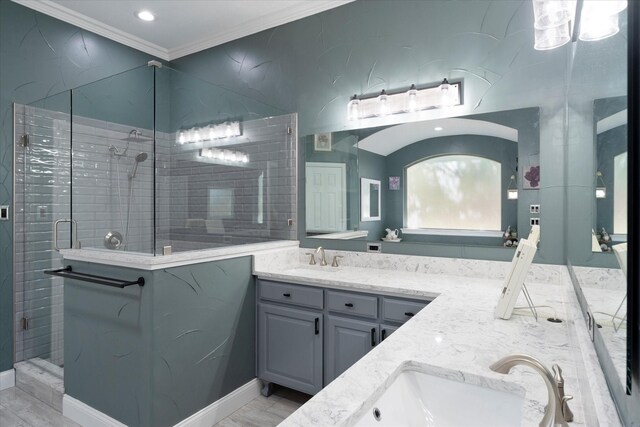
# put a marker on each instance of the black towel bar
(68, 273)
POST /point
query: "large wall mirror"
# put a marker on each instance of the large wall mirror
(472, 180)
(598, 205)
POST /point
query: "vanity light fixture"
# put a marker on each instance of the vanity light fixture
(556, 20)
(408, 101)
(512, 189)
(145, 15)
(223, 157)
(209, 133)
(601, 188)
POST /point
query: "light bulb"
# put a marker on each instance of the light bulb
(597, 26)
(232, 156)
(353, 108)
(196, 135)
(552, 13)
(446, 94)
(181, 138)
(412, 99)
(383, 103)
(228, 131)
(551, 38)
(245, 159)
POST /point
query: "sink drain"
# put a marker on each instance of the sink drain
(376, 414)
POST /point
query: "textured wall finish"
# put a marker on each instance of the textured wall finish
(313, 65)
(40, 56)
(153, 356)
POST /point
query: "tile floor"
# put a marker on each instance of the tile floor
(19, 409)
(266, 411)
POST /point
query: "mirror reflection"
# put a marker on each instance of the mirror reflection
(456, 180)
(610, 127)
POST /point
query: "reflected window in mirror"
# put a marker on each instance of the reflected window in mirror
(455, 192)
(620, 194)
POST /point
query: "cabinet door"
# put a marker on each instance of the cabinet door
(346, 342)
(290, 347)
(386, 330)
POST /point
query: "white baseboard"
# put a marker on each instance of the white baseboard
(224, 407)
(7, 379)
(86, 416)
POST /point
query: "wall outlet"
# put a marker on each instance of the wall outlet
(534, 221)
(534, 208)
(374, 247)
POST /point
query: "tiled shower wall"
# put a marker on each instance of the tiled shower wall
(256, 215)
(41, 196)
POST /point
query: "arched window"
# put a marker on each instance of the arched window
(458, 192)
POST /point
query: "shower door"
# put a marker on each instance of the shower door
(42, 193)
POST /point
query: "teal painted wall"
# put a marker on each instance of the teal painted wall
(312, 66)
(41, 56)
(165, 350)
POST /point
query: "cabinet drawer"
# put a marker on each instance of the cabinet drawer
(398, 310)
(304, 296)
(354, 304)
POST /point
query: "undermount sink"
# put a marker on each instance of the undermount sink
(417, 398)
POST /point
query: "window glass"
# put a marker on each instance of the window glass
(620, 193)
(454, 192)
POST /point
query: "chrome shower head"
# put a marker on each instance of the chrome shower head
(141, 157)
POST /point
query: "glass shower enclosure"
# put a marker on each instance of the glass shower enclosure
(149, 161)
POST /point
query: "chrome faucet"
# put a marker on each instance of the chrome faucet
(553, 415)
(323, 260)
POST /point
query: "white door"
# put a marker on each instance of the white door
(326, 194)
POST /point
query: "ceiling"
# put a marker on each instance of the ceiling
(181, 27)
(394, 138)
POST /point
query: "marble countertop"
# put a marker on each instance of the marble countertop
(143, 261)
(457, 334)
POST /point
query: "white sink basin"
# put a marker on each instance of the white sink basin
(419, 399)
(316, 268)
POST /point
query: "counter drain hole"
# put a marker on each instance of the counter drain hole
(554, 320)
(376, 414)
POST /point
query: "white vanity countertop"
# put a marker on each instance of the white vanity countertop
(456, 332)
(149, 262)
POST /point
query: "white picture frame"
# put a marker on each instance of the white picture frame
(322, 142)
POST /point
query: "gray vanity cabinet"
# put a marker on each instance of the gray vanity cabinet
(290, 347)
(346, 341)
(308, 336)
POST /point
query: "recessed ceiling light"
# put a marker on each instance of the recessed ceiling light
(145, 15)
(437, 128)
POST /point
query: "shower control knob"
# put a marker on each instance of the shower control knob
(113, 240)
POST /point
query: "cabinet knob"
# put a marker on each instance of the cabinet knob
(349, 305)
(373, 337)
(286, 295)
(410, 314)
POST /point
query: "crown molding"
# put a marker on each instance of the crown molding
(255, 26)
(79, 20)
(65, 14)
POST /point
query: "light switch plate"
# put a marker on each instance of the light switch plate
(4, 213)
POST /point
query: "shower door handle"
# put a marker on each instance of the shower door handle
(74, 232)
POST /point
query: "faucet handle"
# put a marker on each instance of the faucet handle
(312, 261)
(335, 261)
(566, 412)
(557, 374)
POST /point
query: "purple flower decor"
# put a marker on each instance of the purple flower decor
(533, 176)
